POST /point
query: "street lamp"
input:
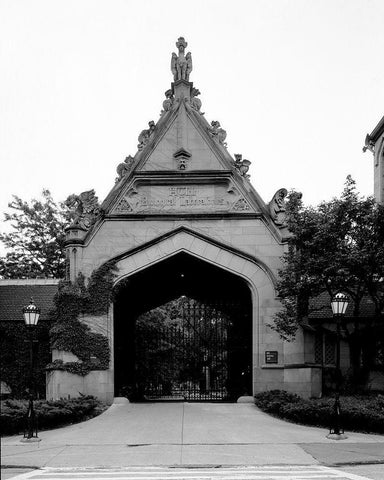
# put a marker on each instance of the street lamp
(31, 317)
(339, 304)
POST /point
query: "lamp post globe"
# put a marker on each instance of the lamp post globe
(31, 314)
(339, 304)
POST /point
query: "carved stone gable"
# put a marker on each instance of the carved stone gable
(186, 139)
(182, 165)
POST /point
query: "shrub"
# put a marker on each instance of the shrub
(50, 413)
(364, 413)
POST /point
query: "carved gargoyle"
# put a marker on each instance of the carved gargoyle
(168, 102)
(144, 136)
(84, 209)
(277, 207)
(217, 132)
(195, 102)
(124, 167)
(242, 165)
(369, 144)
(181, 65)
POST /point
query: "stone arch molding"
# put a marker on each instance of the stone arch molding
(259, 278)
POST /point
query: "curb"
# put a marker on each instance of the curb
(354, 464)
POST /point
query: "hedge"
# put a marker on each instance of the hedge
(50, 413)
(362, 413)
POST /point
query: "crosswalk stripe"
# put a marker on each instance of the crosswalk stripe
(291, 472)
(189, 474)
(245, 475)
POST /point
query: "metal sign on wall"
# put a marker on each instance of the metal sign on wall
(271, 356)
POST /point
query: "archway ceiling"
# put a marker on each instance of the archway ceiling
(181, 274)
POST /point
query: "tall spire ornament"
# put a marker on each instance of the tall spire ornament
(181, 64)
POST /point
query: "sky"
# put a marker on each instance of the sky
(297, 84)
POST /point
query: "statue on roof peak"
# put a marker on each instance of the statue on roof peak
(181, 65)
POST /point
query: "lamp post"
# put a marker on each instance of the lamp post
(339, 304)
(31, 317)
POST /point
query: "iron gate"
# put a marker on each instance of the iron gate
(188, 358)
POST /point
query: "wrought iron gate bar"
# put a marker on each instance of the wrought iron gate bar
(189, 358)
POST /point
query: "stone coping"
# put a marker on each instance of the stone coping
(291, 365)
(30, 281)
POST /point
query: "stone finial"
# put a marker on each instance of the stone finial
(144, 136)
(181, 44)
(277, 207)
(84, 209)
(181, 65)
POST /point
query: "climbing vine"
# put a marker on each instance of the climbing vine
(68, 333)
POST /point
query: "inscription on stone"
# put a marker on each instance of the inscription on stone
(190, 198)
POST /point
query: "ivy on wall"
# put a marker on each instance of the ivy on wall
(68, 333)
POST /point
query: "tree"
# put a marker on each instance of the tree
(36, 242)
(338, 246)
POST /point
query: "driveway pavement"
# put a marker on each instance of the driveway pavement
(189, 434)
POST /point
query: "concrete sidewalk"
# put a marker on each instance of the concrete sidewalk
(189, 434)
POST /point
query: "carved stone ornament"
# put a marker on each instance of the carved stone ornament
(277, 207)
(168, 102)
(195, 102)
(242, 165)
(241, 205)
(369, 144)
(84, 209)
(217, 132)
(181, 65)
(181, 198)
(123, 168)
(123, 206)
(182, 157)
(145, 135)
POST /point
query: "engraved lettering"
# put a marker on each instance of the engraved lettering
(183, 191)
(190, 198)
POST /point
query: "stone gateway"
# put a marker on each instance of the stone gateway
(184, 223)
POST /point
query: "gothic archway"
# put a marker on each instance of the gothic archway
(202, 351)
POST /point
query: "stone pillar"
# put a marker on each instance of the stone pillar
(74, 241)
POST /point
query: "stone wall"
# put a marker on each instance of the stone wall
(141, 243)
(61, 384)
(115, 237)
(379, 170)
